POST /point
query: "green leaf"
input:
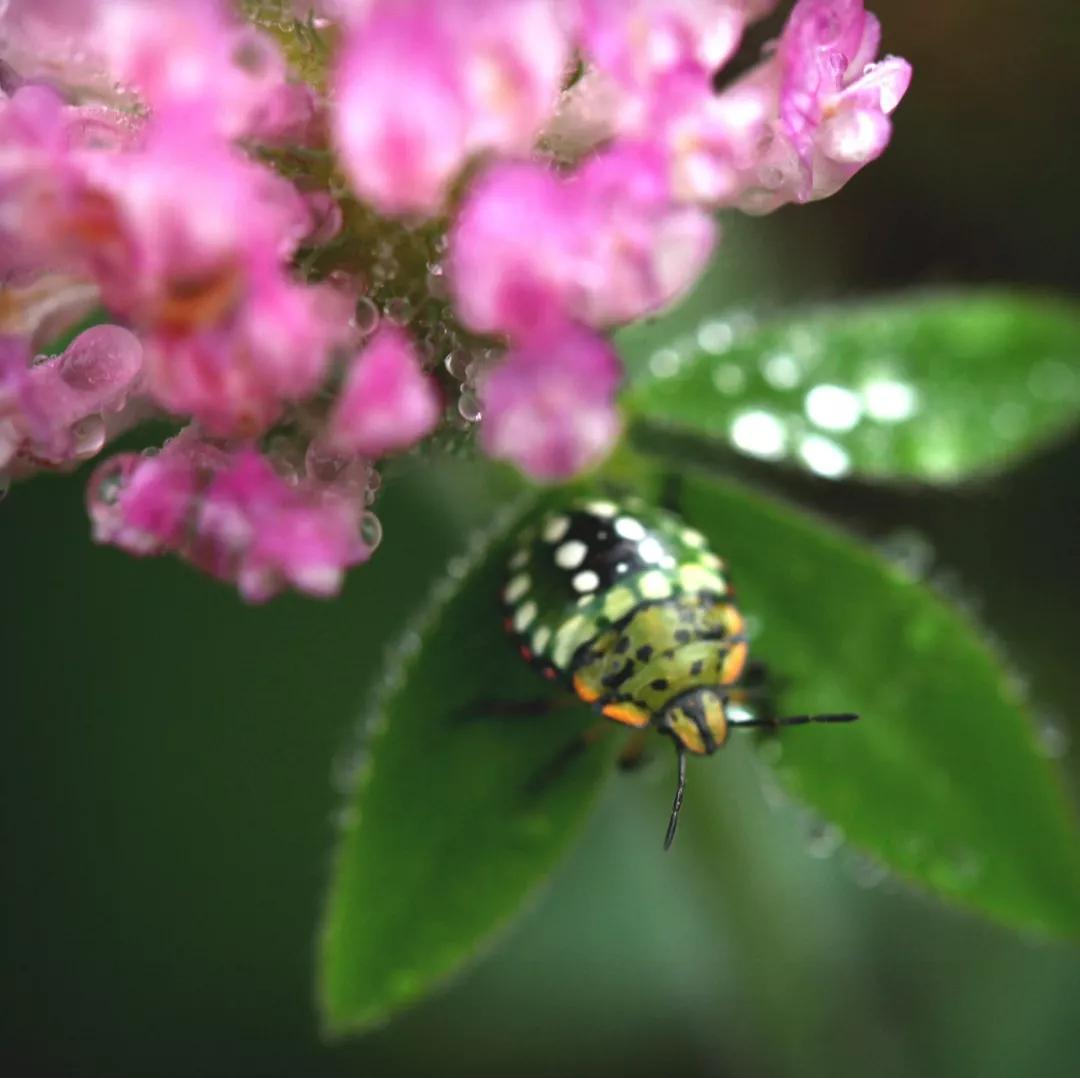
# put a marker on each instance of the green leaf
(934, 388)
(446, 832)
(942, 778)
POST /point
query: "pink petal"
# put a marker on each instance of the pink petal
(388, 402)
(549, 406)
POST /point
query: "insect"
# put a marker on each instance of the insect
(625, 605)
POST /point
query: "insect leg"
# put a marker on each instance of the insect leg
(565, 756)
(634, 753)
(515, 709)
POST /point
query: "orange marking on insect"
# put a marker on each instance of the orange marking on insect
(734, 662)
(626, 713)
(584, 690)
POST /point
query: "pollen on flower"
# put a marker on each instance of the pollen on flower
(321, 241)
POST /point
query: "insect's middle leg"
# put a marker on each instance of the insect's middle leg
(566, 756)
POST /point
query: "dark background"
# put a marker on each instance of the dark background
(168, 758)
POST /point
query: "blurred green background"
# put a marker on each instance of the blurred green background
(168, 778)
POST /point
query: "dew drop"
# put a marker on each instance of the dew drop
(889, 401)
(824, 457)
(833, 408)
(865, 871)
(729, 378)
(469, 406)
(664, 363)
(366, 316)
(370, 530)
(400, 311)
(88, 436)
(436, 281)
(323, 465)
(715, 336)
(823, 839)
(1053, 739)
(910, 552)
(781, 370)
(457, 362)
(760, 434)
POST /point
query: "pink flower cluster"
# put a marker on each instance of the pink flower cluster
(439, 225)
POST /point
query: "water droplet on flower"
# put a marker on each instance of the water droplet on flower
(469, 406)
(88, 436)
(322, 464)
(400, 311)
(436, 281)
(457, 363)
(367, 315)
(370, 530)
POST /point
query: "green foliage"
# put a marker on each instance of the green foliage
(446, 830)
(941, 779)
(934, 388)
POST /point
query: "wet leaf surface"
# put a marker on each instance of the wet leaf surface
(446, 831)
(933, 388)
(942, 779)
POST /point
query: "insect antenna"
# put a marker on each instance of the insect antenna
(795, 720)
(673, 823)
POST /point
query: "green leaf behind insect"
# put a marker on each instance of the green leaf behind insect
(942, 778)
(444, 835)
(934, 388)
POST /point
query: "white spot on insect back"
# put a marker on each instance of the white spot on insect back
(555, 528)
(650, 551)
(586, 581)
(629, 528)
(524, 616)
(654, 585)
(617, 602)
(567, 638)
(695, 578)
(517, 587)
(602, 509)
(540, 639)
(571, 554)
(519, 559)
(692, 537)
